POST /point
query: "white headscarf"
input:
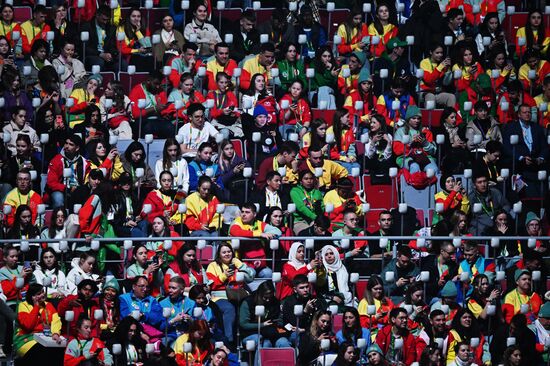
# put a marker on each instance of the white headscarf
(292, 256)
(342, 276)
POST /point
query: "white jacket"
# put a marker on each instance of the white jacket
(76, 275)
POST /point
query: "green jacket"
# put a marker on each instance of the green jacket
(324, 79)
(306, 203)
(290, 71)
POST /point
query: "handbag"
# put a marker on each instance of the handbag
(236, 294)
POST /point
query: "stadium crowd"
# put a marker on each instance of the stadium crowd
(273, 128)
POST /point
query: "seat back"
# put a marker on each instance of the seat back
(380, 195)
(277, 357)
(420, 199)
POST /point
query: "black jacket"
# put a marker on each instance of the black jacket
(430, 264)
(109, 43)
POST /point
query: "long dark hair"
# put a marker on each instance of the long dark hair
(252, 88)
(348, 23)
(91, 150)
(337, 126)
(340, 360)
(315, 139)
(43, 265)
(373, 281)
(377, 24)
(10, 51)
(266, 286)
(529, 36)
(182, 266)
(476, 295)
(318, 63)
(135, 146)
(105, 193)
(16, 232)
(166, 231)
(129, 29)
(120, 336)
(465, 333)
(166, 162)
(88, 114)
(484, 27)
(52, 230)
(355, 332)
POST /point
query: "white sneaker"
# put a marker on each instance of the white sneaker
(2, 354)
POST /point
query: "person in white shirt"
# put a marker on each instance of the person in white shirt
(196, 131)
(173, 161)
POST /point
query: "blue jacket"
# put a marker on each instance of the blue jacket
(177, 308)
(149, 307)
(196, 170)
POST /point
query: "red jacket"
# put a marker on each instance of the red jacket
(175, 75)
(137, 93)
(511, 114)
(408, 352)
(303, 112)
(222, 101)
(158, 205)
(289, 272)
(55, 180)
(65, 306)
(89, 216)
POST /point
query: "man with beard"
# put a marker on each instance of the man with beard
(491, 200)
(331, 171)
(82, 304)
(542, 330)
(442, 268)
(404, 270)
(397, 329)
(522, 297)
(69, 157)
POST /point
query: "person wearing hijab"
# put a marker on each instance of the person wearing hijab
(296, 265)
(333, 278)
(453, 196)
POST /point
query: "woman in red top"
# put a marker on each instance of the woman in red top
(296, 265)
(383, 28)
(187, 267)
(470, 69)
(352, 31)
(298, 115)
(162, 200)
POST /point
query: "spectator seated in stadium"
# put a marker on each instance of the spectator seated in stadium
(83, 304)
(204, 34)
(86, 347)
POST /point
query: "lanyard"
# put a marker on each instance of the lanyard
(4, 28)
(220, 100)
(82, 346)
